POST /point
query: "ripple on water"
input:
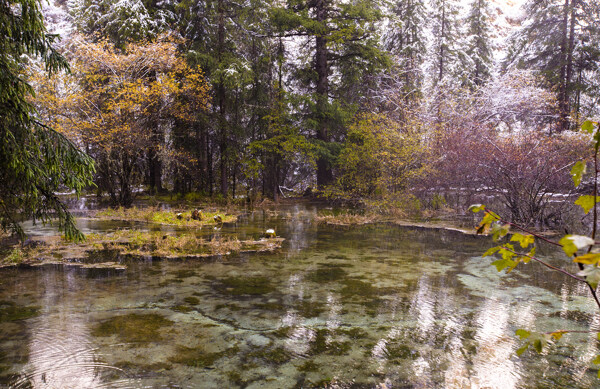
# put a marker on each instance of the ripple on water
(62, 355)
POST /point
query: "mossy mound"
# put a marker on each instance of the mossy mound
(237, 286)
(133, 327)
(10, 311)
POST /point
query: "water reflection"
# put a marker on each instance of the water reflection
(365, 307)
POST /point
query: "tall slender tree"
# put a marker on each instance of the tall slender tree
(341, 48)
(405, 40)
(478, 48)
(554, 40)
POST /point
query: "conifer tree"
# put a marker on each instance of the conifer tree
(559, 39)
(478, 46)
(406, 42)
(339, 39)
(35, 160)
(445, 47)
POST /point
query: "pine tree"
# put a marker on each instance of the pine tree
(35, 160)
(406, 42)
(445, 47)
(552, 40)
(339, 40)
(478, 46)
(121, 21)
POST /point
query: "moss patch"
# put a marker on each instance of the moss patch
(276, 355)
(322, 345)
(192, 300)
(398, 352)
(308, 366)
(326, 274)
(181, 308)
(10, 311)
(246, 285)
(184, 273)
(133, 327)
(198, 357)
(310, 309)
(283, 332)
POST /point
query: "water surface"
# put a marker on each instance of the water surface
(372, 306)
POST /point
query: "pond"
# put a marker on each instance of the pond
(376, 306)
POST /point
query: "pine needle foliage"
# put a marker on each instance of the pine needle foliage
(35, 160)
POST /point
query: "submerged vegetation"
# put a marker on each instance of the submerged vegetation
(133, 327)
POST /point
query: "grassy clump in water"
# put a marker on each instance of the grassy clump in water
(10, 311)
(192, 300)
(326, 274)
(133, 327)
(198, 357)
(155, 215)
(237, 286)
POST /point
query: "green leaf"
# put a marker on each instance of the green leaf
(592, 275)
(538, 344)
(588, 259)
(556, 335)
(596, 360)
(577, 172)
(572, 243)
(504, 263)
(524, 240)
(523, 334)
(522, 349)
(587, 202)
(492, 251)
(587, 126)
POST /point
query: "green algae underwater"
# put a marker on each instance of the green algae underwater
(370, 306)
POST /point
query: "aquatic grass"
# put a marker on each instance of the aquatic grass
(168, 217)
(133, 327)
(347, 219)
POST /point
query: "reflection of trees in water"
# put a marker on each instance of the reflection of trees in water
(61, 353)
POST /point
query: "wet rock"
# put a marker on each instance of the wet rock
(257, 340)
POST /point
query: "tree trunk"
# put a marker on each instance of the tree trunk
(563, 102)
(221, 100)
(324, 173)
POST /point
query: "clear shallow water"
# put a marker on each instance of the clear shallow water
(373, 306)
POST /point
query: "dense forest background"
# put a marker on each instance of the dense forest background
(401, 105)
